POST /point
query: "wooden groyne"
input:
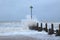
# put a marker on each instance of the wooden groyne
(58, 31)
(50, 31)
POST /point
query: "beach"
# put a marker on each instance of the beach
(28, 35)
(17, 37)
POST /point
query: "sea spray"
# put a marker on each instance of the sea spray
(23, 26)
(28, 21)
(18, 26)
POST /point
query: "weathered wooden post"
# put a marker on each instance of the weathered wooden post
(51, 30)
(34, 27)
(40, 28)
(46, 28)
(41, 25)
(59, 26)
(52, 26)
(58, 31)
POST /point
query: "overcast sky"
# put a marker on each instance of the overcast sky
(15, 10)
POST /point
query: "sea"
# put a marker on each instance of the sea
(22, 28)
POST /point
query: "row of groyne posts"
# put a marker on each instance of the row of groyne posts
(50, 31)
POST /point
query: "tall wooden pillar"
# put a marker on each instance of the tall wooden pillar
(58, 31)
(36, 28)
(46, 28)
(59, 26)
(41, 24)
(51, 30)
(40, 28)
(52, 26)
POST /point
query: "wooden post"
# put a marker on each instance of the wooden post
(40, 28)
(46, 25)
(52, 26)
(37, 24)
(59, 26)
(41, 24)
(58, 31)
(51, 30)
(36, 28)
(46, 28)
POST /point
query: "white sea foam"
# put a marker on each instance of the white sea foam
(22, 28)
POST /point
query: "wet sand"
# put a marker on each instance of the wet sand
(17, 37)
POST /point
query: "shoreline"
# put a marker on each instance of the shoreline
(17, 37)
